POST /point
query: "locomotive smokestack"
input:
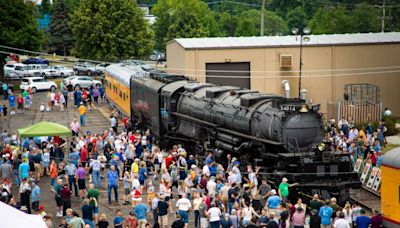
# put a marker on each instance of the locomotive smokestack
(286, 87)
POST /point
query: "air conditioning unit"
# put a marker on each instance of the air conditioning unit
(286, 61)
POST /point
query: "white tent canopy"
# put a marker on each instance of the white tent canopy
(15, 218)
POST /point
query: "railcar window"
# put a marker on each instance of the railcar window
(120, 94)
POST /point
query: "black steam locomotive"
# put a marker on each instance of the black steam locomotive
(282, 135)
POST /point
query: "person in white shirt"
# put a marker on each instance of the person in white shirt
(341, 222)
(214, 216)
(206, 170)
(184, 205)
(96, 167)
(212, 187)
(387, 112)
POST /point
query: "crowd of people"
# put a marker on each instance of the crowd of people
(365, 142)
(155, 184)
(163, 188)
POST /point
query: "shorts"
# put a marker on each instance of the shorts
(20, 106)
(38, 168)
(95, 210)
(81, 184)
(127, 191)
(141, 181)
(204, 223)
(46, 164)
(12, 104)
(185, 216)
(164, 220)
(59, 201)
(167, 198)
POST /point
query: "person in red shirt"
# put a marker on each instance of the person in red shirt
(168, 161)
(20, 102)
(66, 198)
(84, 155)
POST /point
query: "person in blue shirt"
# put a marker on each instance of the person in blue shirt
(141, 213)
(11, 101)
(118, 220)
(74, 158)
(112, 179)
(35, 195)
(142, 174)
(363, 221)
(24, 169)
(325, 213)
(273, 201)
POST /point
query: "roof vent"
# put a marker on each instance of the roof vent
(286, 61)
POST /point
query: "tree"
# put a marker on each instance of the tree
(366, 19)
(45, 7)
(182, 19)
(274, 25)
(60, 37)
(297, 18)
(110, 30)
(331, 20)
(18, 27)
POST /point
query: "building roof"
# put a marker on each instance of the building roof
(283, 41)
(392, 158)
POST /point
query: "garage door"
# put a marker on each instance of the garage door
(232, 74)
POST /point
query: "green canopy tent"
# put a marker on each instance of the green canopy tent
(44, 129)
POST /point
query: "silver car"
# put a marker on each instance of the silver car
(81, 81)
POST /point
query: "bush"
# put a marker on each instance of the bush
(390, 125)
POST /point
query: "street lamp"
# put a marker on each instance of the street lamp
(303, 37)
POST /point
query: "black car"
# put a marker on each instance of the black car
(36, 61)
(10, 86)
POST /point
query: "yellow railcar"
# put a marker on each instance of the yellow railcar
(118, 92)
(390, 189)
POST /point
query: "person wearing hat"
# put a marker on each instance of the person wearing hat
(363, 221)
(131, 220)
(82, 114)
(25, 192)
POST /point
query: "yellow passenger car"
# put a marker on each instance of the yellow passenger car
(117, 86)
(390, 189)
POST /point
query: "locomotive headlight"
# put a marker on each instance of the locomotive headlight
(321, 147)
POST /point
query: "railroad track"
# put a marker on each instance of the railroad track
(367, 198)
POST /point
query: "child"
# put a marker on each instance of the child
(136, 199)
(46, 161)
(5, 111)
(42, 108)
(126, 182)
(35, 195)
(150, 193)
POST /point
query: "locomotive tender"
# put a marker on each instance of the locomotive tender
(282, 135)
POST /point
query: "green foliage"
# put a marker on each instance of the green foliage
(18, 27)
(60, 36)
(45, 7)
(366, 19)
(273, 25)
(297, 18)
(110, 30)
(182, 19)
(331, 20)
(390, 123)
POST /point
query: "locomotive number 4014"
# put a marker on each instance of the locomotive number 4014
(288, 108)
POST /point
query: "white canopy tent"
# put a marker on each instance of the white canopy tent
(15, 218)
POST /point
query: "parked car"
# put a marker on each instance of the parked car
(36, 61)
(81, 81)
(101, 67)
(43, 70)
(141, 64)
(37, 83)
(86, 68)
(19, 70)
(10, 86)
(58, 71)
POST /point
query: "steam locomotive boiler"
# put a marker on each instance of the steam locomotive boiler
(282, 135)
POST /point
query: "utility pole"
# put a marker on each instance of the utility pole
(262, 18)
(383, 16)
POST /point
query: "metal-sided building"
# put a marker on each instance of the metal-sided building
(330, 62)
